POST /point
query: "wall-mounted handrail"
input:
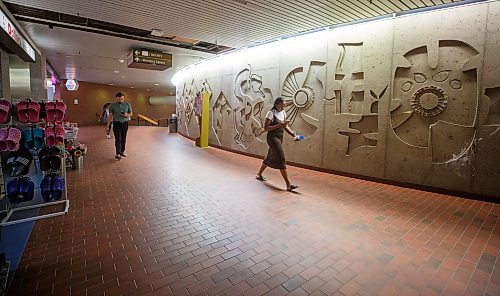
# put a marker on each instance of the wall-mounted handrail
(145, 118)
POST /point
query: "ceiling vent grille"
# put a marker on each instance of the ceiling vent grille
(50, 18)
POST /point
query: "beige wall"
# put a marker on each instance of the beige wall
(92, 96)
(411, 99)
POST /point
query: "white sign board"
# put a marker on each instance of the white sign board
(8, 27)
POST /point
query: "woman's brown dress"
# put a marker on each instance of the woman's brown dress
(275, 156)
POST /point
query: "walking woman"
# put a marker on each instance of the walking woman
(274, 125)
(103, 118)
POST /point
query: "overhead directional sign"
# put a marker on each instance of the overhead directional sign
(149, 59)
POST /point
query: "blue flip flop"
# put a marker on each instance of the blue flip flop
(57, 187)
(45, 188)
(12, 192)
(26, 188)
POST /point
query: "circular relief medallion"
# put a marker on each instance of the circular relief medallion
(429, 101)
(303, 97)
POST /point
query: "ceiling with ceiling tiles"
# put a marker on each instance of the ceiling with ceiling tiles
(86, 40)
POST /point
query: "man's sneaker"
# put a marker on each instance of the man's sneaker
(123, 155)
(118, 156)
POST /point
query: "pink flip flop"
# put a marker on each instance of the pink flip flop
(33, 112)
(50, 138)
(4, 111)
(23, 111)
(4, 133)
(13, 139)
(60, 111)
(50, 110)
(59, 134)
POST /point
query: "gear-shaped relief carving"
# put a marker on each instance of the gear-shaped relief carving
(299, 92)
(303, 97)
(436, 83)
(429, 101)
(248, 115)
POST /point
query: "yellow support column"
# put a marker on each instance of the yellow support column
(204, 118)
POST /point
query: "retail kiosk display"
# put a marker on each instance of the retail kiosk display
(33, 170)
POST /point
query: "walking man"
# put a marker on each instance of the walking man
(120, 113)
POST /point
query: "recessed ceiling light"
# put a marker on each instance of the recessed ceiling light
(116, 71)
(121, 61)
(131, 87)
(157, 84)
(157, 33)
(111, 84)
(171, 93)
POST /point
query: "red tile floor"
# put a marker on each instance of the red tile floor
(172, 218)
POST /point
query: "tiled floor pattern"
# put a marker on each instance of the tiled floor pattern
(172, 218)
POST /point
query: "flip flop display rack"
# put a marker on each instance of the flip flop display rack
(32, 167)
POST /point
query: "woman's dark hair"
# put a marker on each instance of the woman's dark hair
(119, 94)
(276, 102)
(106, 105)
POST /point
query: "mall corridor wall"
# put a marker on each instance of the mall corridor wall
(412, 99)
(92, 96)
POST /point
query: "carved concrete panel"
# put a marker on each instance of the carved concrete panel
(430, 91)
(302, 81)
(356, 99)
(187, 121)
(221, 121)
(303, 91)
(248, 116)
(487, 168)
(435, 102)
(243, 102)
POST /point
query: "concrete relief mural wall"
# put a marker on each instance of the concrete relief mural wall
(385, 99)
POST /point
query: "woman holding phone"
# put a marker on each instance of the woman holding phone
(274, 125)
